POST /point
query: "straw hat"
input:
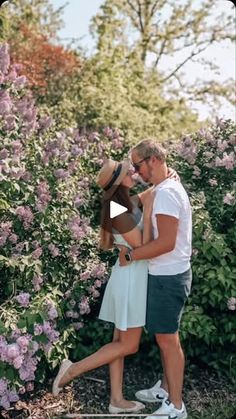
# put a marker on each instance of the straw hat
(111, 175)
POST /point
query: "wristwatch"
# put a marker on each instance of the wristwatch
(128, 256)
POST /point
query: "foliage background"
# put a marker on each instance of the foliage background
(56, 128)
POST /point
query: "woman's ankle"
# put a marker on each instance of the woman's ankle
(114, 400)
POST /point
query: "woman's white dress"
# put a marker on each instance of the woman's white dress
(124, 301)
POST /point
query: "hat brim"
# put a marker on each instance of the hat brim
(124, 170)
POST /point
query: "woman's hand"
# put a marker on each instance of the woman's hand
(123, 250)
(172, 174)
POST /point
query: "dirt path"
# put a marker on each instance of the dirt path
(205, 396)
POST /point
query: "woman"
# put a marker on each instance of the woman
(124, 301)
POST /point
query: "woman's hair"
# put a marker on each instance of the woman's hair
(122, 197)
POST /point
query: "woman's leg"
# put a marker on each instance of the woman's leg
(128, 343)
(116, 368)
(116, 379)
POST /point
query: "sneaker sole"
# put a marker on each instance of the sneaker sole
(148, 400)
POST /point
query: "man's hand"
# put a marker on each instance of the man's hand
(123, 251)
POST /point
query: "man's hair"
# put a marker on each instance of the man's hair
(150, 147)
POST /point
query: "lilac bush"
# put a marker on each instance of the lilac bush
(206, 162)
(51, 273)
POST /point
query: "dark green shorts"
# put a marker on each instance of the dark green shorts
(165, 302)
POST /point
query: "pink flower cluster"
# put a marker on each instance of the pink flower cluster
(229, 198)
(21, 356)
(43, 195)
(48, 329)
(84, 307)
(6, 233)
(7, 396)
(228, 161)
(25, 214)
(231, 303)
(23, 299)
(79, 228)
(37, 282)
(54, 250)
(188, 149)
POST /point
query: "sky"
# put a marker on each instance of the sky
(78, 13)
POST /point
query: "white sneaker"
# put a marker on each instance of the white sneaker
(153, 394)
(169, 411)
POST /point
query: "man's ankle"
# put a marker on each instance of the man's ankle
(178, 404)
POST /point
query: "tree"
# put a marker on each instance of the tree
(115, 87)
(30, 28)
(48, 67)
(166, 28)
(38, 15)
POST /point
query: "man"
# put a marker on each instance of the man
(169, 279)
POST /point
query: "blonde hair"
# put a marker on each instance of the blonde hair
(150, 147)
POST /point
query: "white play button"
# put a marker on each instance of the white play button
(116, 209)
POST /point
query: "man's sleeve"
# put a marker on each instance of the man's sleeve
(166, 202)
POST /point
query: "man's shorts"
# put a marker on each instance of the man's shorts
(165, 301)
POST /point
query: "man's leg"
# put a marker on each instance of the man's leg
(164, 383)
(173, 364)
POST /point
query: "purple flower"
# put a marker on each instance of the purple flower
(228, 199)
(84, 305)
(4, 58)
(85, 275)
(78, 201)
(45, 123)
(13, 351)
(54, 250)
(4, 154)
(3, 386)
(23, 342)
(61, 173)
(37, 282)
(17, 362)
(74, 251)
(5, 402)
(37, 253)
(44, 196)
(25, 214)
(52, 313)
(98, 271)
(77, 228)
(13, 238)
(38, 329)
(20, 82)
(76, 151)
(5, 103)
(78, 325)
(23, 299)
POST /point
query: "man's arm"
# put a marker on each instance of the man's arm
(167, 229)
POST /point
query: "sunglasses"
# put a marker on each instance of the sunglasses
(138, 164)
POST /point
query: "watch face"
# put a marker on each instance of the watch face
(127, 257)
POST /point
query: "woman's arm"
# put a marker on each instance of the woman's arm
(147, 218)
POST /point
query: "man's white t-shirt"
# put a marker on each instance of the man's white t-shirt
(172, 199)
